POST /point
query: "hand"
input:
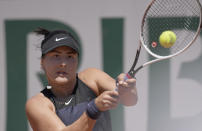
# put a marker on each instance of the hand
(125, 86)
(107, 100)
(127, 90)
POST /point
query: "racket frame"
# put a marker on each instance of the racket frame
(131, 73)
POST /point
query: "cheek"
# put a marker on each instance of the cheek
(76, 64)
(48, 67)
(73, 65)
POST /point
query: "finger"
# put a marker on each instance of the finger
(131, 81)
(113, 93)
(113, 99)
(127, 83)
(122, 84)
(121, 77)
(110, 105)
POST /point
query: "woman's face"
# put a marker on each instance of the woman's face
(60, 65)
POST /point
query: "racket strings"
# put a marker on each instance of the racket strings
(182, 42)
(180, 16)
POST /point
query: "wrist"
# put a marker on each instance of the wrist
(92, 111)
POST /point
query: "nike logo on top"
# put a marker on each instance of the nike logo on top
(67, 103)
(59, 39)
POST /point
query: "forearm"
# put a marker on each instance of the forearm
(84, 123)
(44, 118)
(87, 119)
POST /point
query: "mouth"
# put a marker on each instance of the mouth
(62, 73)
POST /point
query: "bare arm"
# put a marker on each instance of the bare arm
(103, 82)
(126, 89)
(42, 117)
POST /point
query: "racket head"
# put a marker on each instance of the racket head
(183, 17)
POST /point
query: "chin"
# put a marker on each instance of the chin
(61, 80)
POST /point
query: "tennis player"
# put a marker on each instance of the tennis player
(74, 101)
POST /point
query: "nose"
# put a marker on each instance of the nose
(63, 62)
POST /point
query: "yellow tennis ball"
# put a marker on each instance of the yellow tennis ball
(167, 39)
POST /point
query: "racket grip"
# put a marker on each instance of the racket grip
(126, 77)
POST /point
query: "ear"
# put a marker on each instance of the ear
(42, 66)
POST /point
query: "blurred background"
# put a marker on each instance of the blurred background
(170, 92)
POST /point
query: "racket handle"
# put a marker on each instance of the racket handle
(126, 77)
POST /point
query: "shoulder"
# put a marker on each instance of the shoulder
(96, 79)
(38, 101)
(90, 72)
(89, 78)
(41, 114)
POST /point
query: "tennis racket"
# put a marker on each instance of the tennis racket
(183, 17)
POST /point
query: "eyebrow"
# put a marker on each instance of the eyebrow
(68, 52)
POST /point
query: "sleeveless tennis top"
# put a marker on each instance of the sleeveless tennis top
(76, 104)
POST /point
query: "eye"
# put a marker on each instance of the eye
(70, 56)
(56, 55)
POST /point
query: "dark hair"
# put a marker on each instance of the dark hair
(42, 31)
(49, 34)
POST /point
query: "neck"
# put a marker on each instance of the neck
(63, 90)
